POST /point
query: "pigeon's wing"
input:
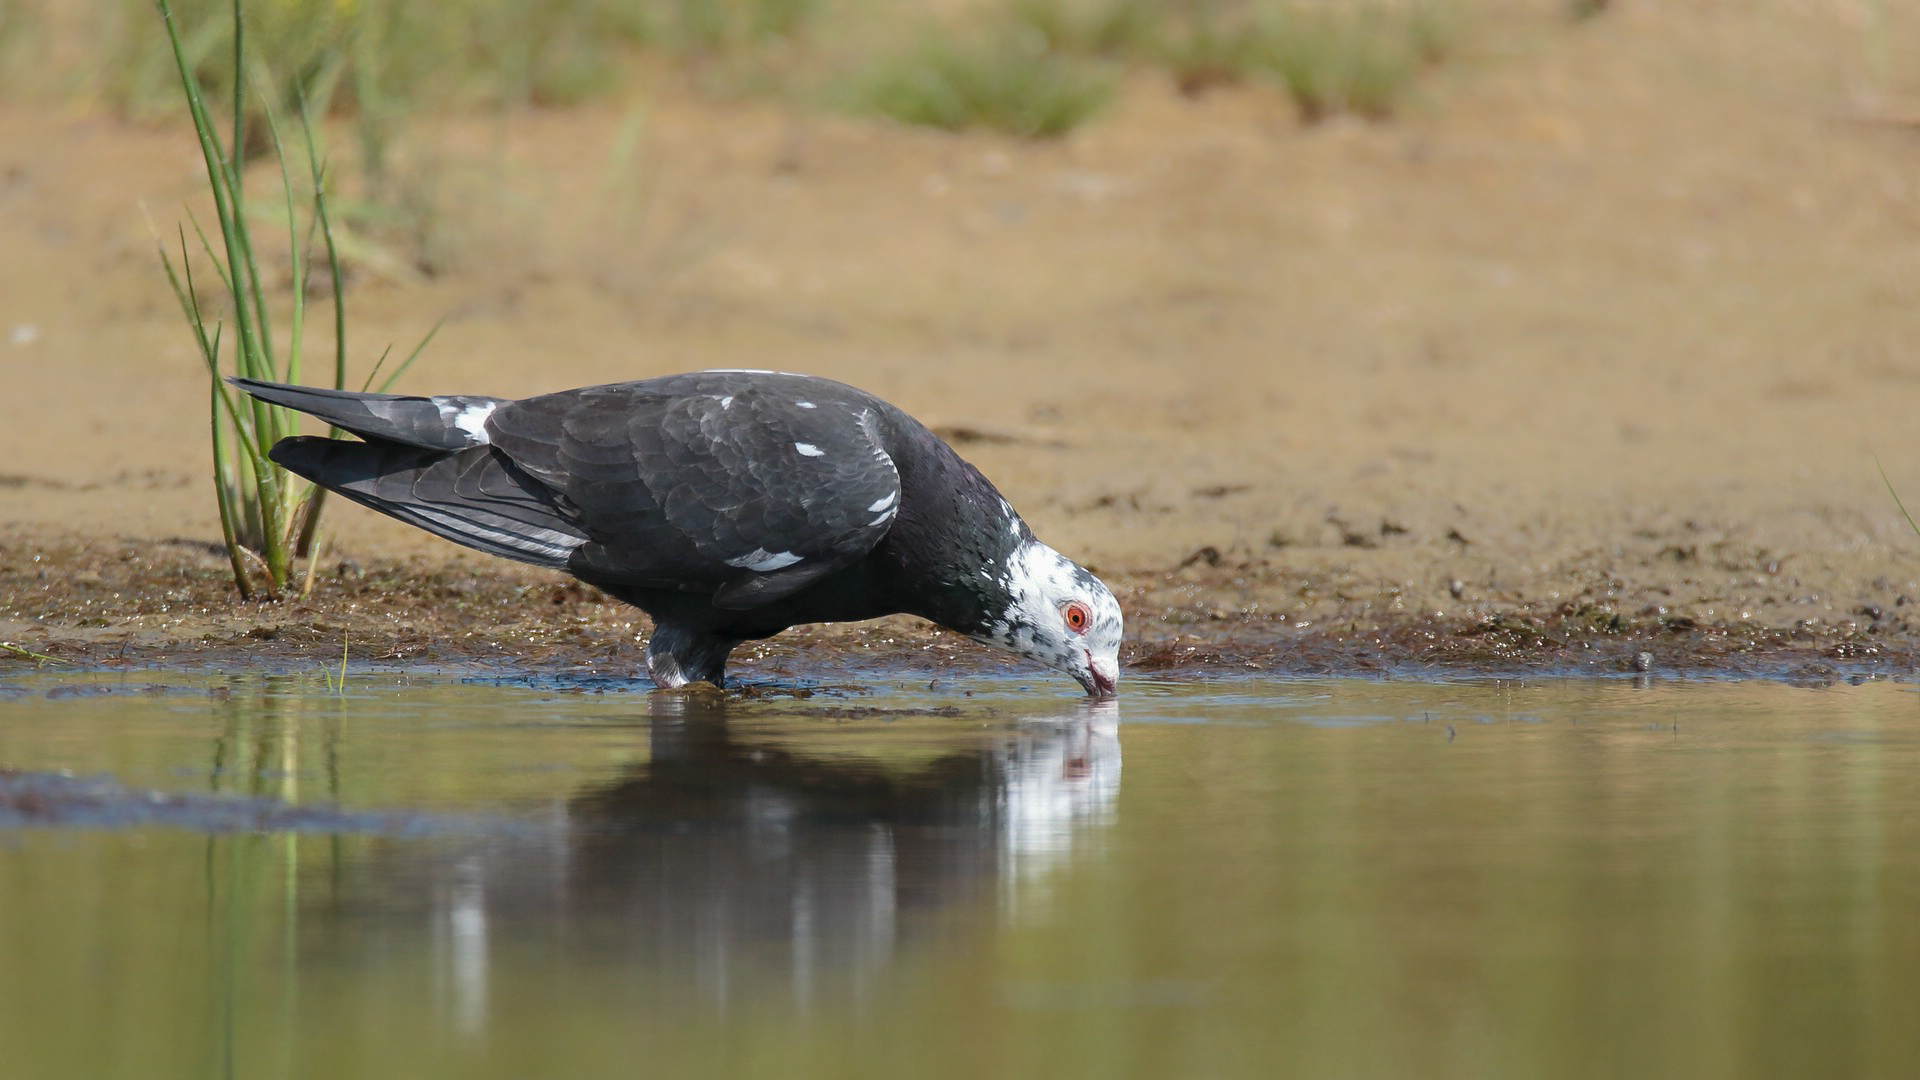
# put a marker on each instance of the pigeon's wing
(474, 497)
(749, 490)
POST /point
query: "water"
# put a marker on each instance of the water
(250, 877)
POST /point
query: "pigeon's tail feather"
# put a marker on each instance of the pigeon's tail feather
(474, 496)
(433, 423)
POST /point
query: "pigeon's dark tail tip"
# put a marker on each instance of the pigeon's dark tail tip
(251, 386)
(300, 455)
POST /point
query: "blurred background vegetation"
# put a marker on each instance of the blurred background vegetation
(1026, 67)
(378, 70)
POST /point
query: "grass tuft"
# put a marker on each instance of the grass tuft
(1361, 57)
(1108, 28)
(1009, 82)
(713, 27)
(355, 55)
(268, 519)
(1030, 67)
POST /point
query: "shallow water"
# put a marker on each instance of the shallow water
(247, 876)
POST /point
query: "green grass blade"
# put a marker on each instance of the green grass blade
(189, 303)
(10, 647)
(219, 265)
(243, 419)
(1912, 524)
(290, 513)
(411, 357)
(375, 373)
(239, 88)
(318, 167)
(308, 544)
(224, 496)
(33, 656)
(297, 317)
(224, 181)
(222, 175)
(209, 348)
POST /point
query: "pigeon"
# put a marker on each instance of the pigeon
(728, 505)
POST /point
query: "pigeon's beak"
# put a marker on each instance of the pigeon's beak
(1099, 684)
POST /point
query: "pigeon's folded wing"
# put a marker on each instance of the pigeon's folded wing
(742, 491)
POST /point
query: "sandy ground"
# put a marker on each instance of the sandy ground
(1591, 350)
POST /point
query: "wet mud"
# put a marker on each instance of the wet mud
(173, 605)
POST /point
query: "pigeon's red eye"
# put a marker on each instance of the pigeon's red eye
(1077, 616)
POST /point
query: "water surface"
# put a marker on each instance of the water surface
(248, 876)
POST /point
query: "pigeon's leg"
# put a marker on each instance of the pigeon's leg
(677, 655)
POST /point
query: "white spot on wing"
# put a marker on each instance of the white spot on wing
(726, 402)
(809, 449)
(471, 419)
(806, 404)
(882, 504)
(762, 561)
(872, 427)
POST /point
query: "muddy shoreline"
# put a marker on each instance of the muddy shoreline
(170, 604)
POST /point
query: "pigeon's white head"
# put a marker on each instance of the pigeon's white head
(1060, 615)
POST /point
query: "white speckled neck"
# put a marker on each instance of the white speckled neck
(1041, 582)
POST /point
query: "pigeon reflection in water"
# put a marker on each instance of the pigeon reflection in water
(735, 864)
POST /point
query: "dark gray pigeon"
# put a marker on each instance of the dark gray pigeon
(727, 505)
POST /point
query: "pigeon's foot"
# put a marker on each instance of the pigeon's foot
(677, 656)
